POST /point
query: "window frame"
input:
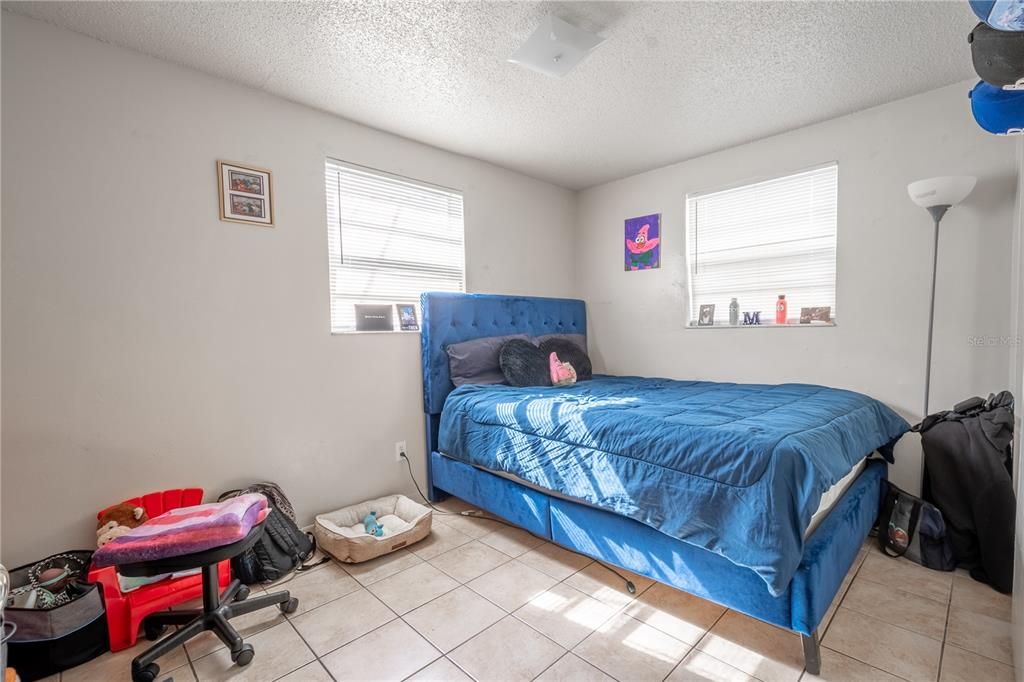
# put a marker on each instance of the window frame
(691, 307)
(337, 228)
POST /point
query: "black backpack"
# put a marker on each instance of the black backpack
(282, 549)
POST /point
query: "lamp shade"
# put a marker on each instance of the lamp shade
(948, 190)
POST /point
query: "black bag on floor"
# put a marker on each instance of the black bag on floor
(909, 526)
(968, 464)
(283, 547)
(68, 631)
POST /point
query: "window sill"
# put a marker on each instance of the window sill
(353, 332)
(763, 325)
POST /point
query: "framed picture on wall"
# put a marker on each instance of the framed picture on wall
(643, 242)
(245, 194)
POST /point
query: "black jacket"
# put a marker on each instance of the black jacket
(968, 464)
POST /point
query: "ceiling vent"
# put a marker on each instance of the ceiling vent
(555, 48)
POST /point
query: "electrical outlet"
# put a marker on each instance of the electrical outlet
(399, 449)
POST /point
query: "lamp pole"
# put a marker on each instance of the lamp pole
(936, 195)
(936, 212)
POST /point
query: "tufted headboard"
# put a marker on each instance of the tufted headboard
(452, 317)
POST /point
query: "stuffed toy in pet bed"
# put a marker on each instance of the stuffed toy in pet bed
(343, 533)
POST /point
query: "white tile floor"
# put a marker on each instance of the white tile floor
(481, 601)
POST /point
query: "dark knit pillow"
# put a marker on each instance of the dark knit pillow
(570, 352)
(579, 339)
(524, 364)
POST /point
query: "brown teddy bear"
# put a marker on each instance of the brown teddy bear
(117, 521)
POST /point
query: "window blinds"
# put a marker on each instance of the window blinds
(757, 241)
(389, 239)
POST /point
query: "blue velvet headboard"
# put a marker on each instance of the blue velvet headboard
(452, 317)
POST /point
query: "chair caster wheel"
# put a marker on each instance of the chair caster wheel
(244, 655)
(290, 606)
(242, 594)
(154, 631)
(147, 674)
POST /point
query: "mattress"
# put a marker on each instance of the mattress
(739, 470)
(832, 495)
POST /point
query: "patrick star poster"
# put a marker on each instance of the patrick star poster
(643, 239)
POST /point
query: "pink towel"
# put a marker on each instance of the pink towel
(186, 530)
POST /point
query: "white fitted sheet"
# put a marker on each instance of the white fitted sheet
(832, 495)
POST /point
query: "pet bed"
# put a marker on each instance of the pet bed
(342, 535)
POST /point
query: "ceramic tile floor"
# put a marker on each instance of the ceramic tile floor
(481, 601)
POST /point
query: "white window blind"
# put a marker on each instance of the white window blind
(757, 241)
(389, 239)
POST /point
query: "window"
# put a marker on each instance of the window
(757, 241)
(389, 239)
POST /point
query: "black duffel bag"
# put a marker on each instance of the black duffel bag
(283, 548)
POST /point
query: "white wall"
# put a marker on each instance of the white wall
(637, 319)
(148, 345)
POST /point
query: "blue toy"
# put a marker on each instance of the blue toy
(371, 525)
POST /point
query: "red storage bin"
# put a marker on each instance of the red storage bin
(126, 610)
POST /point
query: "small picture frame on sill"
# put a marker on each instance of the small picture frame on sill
(816, 314)
(373, 317)
(246, 195)
(407, 321)
(706, 317)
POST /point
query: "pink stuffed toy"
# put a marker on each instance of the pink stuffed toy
(562, 373)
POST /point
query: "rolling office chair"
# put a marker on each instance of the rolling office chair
(218, 607)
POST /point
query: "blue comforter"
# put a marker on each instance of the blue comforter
(736, 469)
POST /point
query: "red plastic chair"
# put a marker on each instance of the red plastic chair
(125, 610)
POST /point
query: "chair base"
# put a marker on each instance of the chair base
(217, 610)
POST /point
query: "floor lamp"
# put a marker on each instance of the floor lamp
(937, 195)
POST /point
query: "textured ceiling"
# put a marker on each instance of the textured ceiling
(672, 80)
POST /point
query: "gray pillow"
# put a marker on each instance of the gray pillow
(477, 361)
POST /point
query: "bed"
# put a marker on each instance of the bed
(600, 467)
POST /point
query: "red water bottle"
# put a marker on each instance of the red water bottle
(780, 310)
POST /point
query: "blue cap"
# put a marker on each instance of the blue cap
(1005, 15)
(996, 110)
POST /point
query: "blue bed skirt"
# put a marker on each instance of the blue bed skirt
(828, 552)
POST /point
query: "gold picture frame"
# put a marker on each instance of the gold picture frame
(246, 194)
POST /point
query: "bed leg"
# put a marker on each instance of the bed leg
(436, 495)
(812, 653)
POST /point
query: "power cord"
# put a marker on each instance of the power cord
(408, 466)
(477, 513)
